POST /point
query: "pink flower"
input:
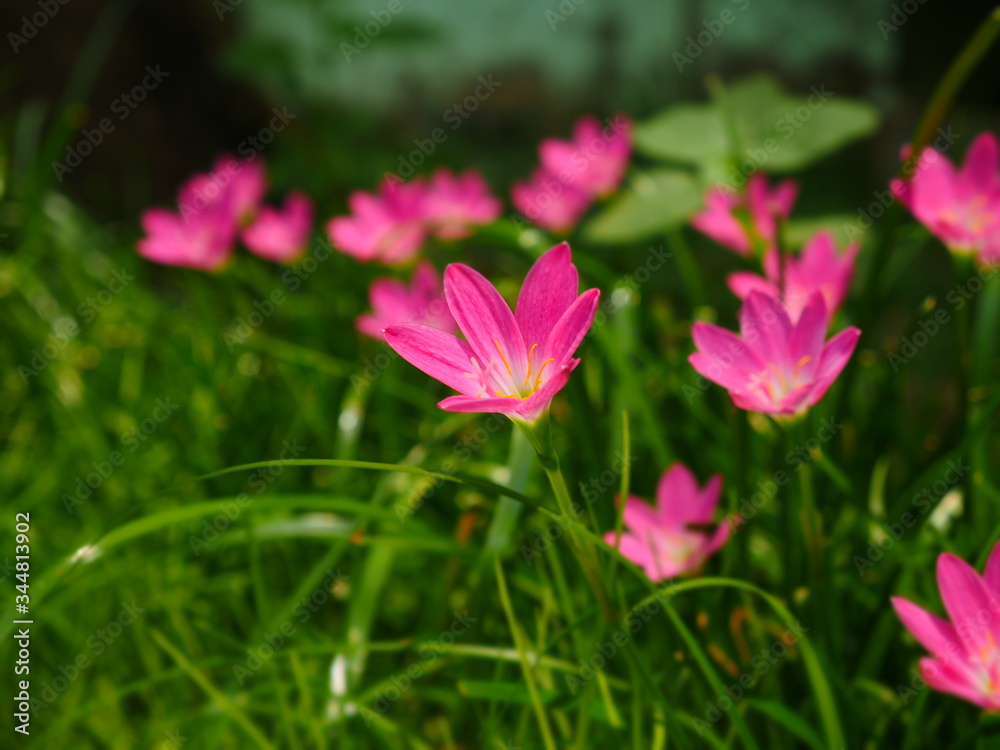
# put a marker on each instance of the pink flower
(393, 302)
(550, 203)
(386, 227)
(718, 221)
(966, 650)
(818, 268)
(233, 185)
(774, 366)
(451, 204)
(510, 363)
(595, 160)
(671, 538)
(961, 208)
(280, 234)
(204, 241)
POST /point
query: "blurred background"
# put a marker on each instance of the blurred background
(357, 87)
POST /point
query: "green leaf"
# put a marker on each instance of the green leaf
(789, 720)
(655, 202)
(777, 132)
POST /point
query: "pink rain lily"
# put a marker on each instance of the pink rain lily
(676, 536)
(961, 208)
(386, 227)
(393, 302)
(775, 366)
(509, 363)
(549, 202)
(233, 185)
(762, 205)
(454, 203)
(965, 651)
(595, 160)
(818, 268)
(204, 241)
(280, 234)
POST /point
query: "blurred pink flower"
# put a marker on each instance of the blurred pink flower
(762, 205)
(818, 268)
(961, 208)
(965, 657)
(548, 202)
(386, 227)
(454, 203)
(510, 363)
(595, 160)
(394, 302)
(280, 234)
(671, 538)
(234, 185)
(774, 366)
(204, 241)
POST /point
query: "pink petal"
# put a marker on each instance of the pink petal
(765, 325)
(570, 329)
(548, 291)
(680, 501)
(935, 634)
(639, 517)
(969, 606)
(467, 404)
(439, 354)
(810, 330)
(632, 549)
(991, 576)
(484, 318)
(743, 282)
(946, 678)
(724, 358)
(979, 171)
(836, 353)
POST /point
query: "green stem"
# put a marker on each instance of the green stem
(953, 80)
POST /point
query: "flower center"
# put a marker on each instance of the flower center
(503, 382)
(777, 383)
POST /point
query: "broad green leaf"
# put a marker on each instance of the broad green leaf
(655, 202)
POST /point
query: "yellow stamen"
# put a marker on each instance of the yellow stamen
(799, 365)
(530, 352)
(540, 371)
(503, 357)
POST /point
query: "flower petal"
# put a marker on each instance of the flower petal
(484, 318)
(439, 354)
(934, 633)
(680, 501)
(765, 325)
(969, 606)
(564, 338)
(549, 289)
(946, 678)
(506, 406)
